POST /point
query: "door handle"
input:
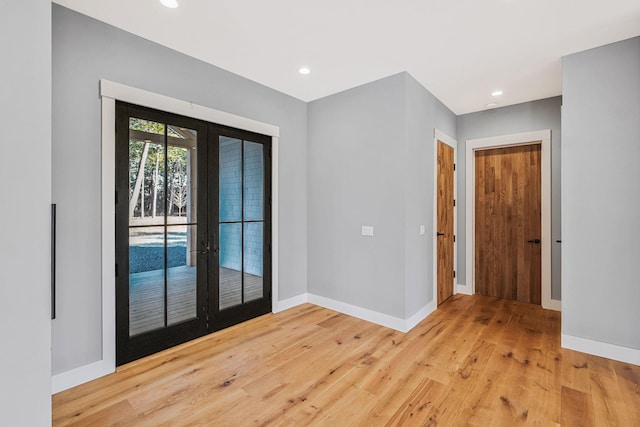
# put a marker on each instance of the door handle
(439, 234)
(203, 250)
(533, 241)
(53, 261)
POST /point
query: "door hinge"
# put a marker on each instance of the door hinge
(116, 201)
(454, 202)
(116, 270)
(454, 237)
(454, 274)
(454, 166)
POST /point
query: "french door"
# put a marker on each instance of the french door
(193, 229)
(240, 185)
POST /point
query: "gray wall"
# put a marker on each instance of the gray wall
(600, 197)
(25, 191)
(423, 113)
(356, 143)
(84, 51)
(371, 163)
(526, 117)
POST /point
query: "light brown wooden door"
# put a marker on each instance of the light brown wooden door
(508, 223)
(445, 232)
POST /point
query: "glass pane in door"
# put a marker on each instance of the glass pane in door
(182, 238)
(230, 159)
(146, 279)
(230, 284)
(253, 181)
(181, 273)
(253, 261)
(230, 240)
(254, 219)
(241, 178)
(146, 226)
(162, 225)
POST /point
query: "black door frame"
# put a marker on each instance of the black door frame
(209, 318)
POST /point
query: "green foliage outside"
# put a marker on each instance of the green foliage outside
(152, 191)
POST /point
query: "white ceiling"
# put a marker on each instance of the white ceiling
(461, 50)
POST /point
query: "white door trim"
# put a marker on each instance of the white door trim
(526, 138)
(446, 139)
(109, 93)
(145, 98)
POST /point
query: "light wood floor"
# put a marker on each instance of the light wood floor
(475, 361)
(146, 297)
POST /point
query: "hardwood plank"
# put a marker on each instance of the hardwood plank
(577, 408)
(608, 406)
(478, 361)
(575, 371)
(628, 378)
(120, 413)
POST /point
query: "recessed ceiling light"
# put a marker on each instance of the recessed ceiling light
(492, 104)
(172, 4)
(304, 71)
(496, 93)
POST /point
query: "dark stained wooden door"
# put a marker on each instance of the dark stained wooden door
(445, 232)
(508, 223)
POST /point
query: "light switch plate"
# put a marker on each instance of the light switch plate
(367, 230)
(421, 230)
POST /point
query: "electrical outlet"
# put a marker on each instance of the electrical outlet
(367, 230)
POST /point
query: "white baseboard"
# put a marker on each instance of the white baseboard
(463, 289)
(290, 303)
(361, 313)
(402, 325)
(554, 304)
(83, 374)
(602, 349)
(422, 314)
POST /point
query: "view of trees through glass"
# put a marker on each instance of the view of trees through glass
(162, 224)
(147, 173)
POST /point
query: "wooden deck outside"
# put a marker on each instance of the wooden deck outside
(477, 361)
(146, 295)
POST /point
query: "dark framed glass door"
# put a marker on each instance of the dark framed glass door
(241, 184)
(193, 229)
(161, 229)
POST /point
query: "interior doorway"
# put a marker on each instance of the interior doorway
(543, 138)
(193, 229)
